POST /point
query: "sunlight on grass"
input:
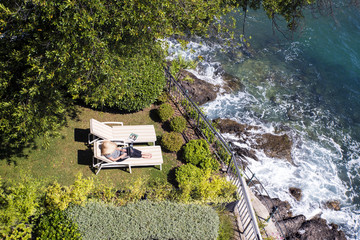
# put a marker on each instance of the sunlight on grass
(70, 154)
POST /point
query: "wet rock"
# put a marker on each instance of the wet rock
(296, 193)
(332, 204)
(317, 229)
(244, 152)
(230, 126)
(290, 226)
(297, 227)
(280, 208)
(198, 90)
(274, 146)
(232, 83)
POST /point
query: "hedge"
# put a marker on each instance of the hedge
(145, 220)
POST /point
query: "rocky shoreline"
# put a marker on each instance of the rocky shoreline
(277, 146)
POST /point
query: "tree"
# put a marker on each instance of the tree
(104, 53)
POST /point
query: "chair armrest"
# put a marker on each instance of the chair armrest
(119, 123)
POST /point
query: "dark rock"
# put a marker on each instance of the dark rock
(317, 229)
(232, 83)
(230, 126)
(282, 207)
(291, 225)
(296, 193)
(274, 146)
(333, 204)
(198, 90)
(244, 152)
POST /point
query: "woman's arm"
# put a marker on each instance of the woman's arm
(120, 157)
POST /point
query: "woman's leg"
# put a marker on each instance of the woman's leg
(146, 155)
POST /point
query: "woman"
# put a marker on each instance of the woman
(111, 151)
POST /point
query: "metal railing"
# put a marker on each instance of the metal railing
(250, 229)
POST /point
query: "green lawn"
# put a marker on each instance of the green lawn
(70, 154)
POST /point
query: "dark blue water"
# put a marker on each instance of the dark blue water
(311, 85)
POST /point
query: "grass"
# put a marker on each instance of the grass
(69, 154)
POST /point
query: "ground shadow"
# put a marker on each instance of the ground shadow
(166, 126)
(171, 177)
(85, 157)
(154, 115)
(81, 135)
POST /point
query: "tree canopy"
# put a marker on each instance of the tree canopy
(104, 53)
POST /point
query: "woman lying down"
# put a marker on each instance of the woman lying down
(111, 151)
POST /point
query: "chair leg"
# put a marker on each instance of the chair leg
(160, 167)
(93, 140)
(98, 170)
(130, 168)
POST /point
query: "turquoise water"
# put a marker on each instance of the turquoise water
(310, 88)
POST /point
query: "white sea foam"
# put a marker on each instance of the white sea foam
(318, 156)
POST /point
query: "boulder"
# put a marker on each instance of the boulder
(231, 83)
(290, 226)
(297, 227)
(282, 207)
(332, 204)
(296, 193)
(244, 152)
(198, 90)
(317, 229)
(274, 146)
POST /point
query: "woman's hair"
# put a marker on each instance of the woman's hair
(107, 147)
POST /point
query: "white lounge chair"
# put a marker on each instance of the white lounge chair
(117, 131)
(100, 161)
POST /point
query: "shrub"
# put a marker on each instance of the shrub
(165, 111)
(178, 124)
(197, 152)
(163, 98)
(145, 220)
(55, 225)
(58, 197)
(200, 185)
(19, 201)
(172, 141)
(226, 231)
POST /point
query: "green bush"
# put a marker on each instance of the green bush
(178, 124)
(197, 152)
(19, 202)
(55, 225)
(226, 231)
(165, 111)
(163, 98)
(59, 197)
(201, 185)
(145, 220)
(172, 141)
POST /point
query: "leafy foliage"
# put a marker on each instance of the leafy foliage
(145, 220)
(197, 152)
(55, 225)
(165, 111)
(59, 197)
(201, 185)
(19, 201)
(226, 231)
(178, 124)
(101, 52)
(180, 63)
(172, 141)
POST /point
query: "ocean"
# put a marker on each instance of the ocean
(308, 85)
